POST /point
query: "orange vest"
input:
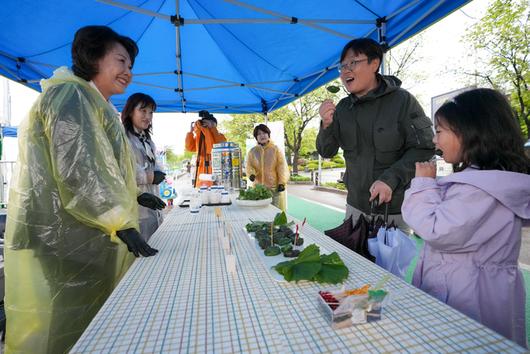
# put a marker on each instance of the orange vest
(203, 147)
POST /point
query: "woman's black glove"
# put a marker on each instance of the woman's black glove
(252, 178)
(281, 187)
(151, 201)
(159, 176)
(135, 243)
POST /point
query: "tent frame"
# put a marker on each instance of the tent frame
(178, 21)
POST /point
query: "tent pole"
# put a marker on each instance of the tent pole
(137, 9)
(264, 110)
(412, 3)
(179, 60)
(431, 10)
(381, 34)
(292, 20)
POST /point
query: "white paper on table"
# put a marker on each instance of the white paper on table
(231, 263)
(226, 243)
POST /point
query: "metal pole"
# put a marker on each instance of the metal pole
(319, 180)
(381, 33)
(180, 83)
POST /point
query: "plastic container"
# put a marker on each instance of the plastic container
(352, 310)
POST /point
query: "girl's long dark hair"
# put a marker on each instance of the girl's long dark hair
(132, 102)
(489, 132)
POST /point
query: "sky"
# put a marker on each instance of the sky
(441, 51)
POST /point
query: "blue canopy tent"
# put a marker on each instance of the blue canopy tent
(227, 56)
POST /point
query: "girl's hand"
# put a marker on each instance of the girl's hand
(426, 169)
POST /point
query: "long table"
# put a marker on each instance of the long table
(185, 300)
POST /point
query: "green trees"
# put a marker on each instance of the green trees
(174, 161)
(296, 116)
(502, 39)
(240, 128)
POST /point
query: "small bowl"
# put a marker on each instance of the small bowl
(254, 203)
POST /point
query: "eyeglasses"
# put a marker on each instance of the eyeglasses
(351, 65)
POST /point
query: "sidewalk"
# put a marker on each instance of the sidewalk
(329, 199)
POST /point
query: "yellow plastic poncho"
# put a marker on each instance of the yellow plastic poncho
(268, 164)
(74, 186)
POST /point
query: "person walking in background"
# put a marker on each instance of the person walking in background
(471, 220)
(73, 206)
(381, 128)
(266, 165)
(137, 118)
(200, 139)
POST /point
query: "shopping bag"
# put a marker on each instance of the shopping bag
(393, 250)
(356, 237)
(377, 222)
(341, 232)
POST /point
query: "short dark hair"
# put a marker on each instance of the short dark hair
(488, 130)
(263, 128)
(132, 102)
(91, 43)
(367, 46)
(205, 115)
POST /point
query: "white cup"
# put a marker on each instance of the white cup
(225, 197)
(195, 204)
(215, 198)
(205, 197)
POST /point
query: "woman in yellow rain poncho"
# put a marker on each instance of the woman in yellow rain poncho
(266, 165)
(74, 198)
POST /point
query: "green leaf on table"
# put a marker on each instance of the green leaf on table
(332, 258)
(310, 254)
(285, 269)
(310, 265)
(258, 192)
(305, 271)
(332, 273)
(280, 219)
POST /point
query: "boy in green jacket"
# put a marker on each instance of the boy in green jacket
(381, 128)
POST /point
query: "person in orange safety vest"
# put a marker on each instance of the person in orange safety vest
(200, 139)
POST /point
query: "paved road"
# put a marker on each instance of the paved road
(306, 191)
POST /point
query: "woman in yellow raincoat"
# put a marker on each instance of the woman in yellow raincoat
(74, 198)
(266, 165)
(200, 139)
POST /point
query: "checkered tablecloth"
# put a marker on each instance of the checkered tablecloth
(184, 300)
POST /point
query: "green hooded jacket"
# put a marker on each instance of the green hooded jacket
(383, 134)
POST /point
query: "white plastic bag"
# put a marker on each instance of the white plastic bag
(393, 250)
